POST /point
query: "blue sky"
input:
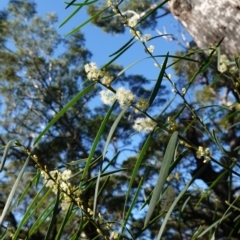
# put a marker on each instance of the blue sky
(103, 44)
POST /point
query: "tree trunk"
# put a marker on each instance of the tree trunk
(208, 21)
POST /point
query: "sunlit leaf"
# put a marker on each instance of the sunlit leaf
(13, 190)
(164, 171)
(5, 153)
(96, 140)
(159, 81)
(112, 130)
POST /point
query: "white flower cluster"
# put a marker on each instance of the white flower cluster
(184, 90)
(107, 96)
(142, 104)
(203, 153)
(132, 22)
(223, 63)
(144, 124)
(151, 48)
(109, 3)
(113, 5)
(145, 37)
(172, 125)
(124, 96)
(59, 181)
(93, 73)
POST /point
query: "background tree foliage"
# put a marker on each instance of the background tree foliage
(38, 79)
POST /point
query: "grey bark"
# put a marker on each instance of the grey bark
(208, 21)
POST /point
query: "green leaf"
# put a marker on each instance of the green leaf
(166, 107)
(159, 81)
(54, 216)
(152, 11)
(118, 55)
(166, 218)
(106, 174)
(42, 217)
(70, 16)
(214, 225)
(164, 171)
(96, 140)
(86, 22)
(221, 148)
(65, 221)
(96, 193)
(80, 229)
(111, 132)
(123, 47)
(134, 63)
(14, 188)
(35, 204)
(131, 206)
(136, 167)
(5, 153)
(104, 185)
(80, 5)
(205, 65)
(73, 101)
(28, 188)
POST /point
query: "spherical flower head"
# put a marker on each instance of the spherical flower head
(50, 183)
(92, 71)
(124, 97)
(132, 22)
(200, 152)
(107, 96)
(184, 91)
(45, 175)
(65, 186)
(223, 67)
(90, 67)
(223, 58)
(144, 124)
(66, 174)
(145, 37)
(56, 175)
(172, 124)
(110, 3)
(143, 104)
(223, 63)
(233, 70)
(114, 235)
(106, 78)
(151, 48)
(207, 152)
